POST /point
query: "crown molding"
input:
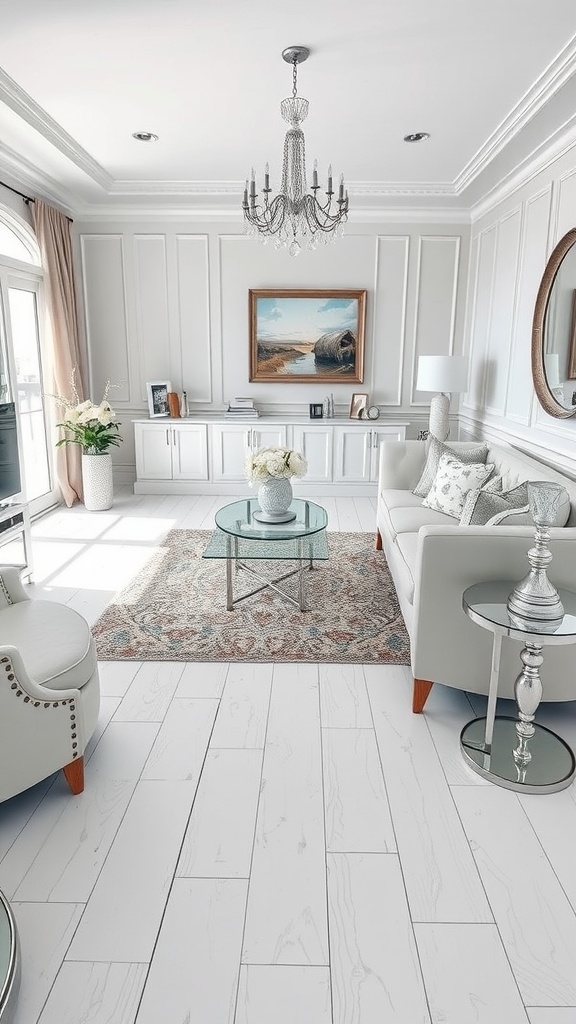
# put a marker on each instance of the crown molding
(91, 213)
(22, 104)
(540, 93)
(552, 149)
(27, 176)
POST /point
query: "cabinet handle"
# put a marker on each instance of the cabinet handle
(249, 438)
(174, 438)
(374, 439)
(367, 440)
(167, 435)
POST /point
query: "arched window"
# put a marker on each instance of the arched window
(17, 241)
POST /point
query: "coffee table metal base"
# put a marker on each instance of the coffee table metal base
(234, 564)
(551, 766)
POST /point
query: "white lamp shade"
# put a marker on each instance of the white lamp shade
(448, 374)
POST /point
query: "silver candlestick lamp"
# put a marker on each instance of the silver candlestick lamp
(535, 598)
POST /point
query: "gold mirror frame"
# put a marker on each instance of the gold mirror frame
(543, 391)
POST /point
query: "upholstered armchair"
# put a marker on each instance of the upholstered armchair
(49, 689)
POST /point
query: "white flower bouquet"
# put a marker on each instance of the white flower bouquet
(274, 464)
(91, 426)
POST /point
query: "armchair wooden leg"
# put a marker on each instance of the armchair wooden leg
(378, 541)
(74, 775)
(420, 695)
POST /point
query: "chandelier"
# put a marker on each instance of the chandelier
(295, 216)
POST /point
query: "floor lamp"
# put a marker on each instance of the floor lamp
(447, 375)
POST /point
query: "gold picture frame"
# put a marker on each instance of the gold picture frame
(307, 335)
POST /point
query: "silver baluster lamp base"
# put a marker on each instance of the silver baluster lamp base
(535, 599)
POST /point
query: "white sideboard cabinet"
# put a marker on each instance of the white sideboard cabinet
(208, 456)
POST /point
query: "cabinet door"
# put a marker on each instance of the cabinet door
(315, 443)
(189, 451)
(380, 434)
(353, 458)
(230, 446)
(153, 443)
(269, 437)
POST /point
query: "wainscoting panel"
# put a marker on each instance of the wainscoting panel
(193, 318)
(152, 319)
(503, 311)
(435, 306)
(103, 296)
(390, 318)
(533, 246)
(481, 316)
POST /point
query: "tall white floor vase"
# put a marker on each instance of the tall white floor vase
(97, 481)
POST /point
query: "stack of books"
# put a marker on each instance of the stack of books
(242, 409)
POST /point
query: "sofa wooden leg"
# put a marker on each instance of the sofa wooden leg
(420, 695)
(74, 775)
(378, 541)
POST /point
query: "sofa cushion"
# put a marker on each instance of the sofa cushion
(409, 520)
(509, 508)
(55, 642)
(453, 481)
(475, 453)
(407, 545)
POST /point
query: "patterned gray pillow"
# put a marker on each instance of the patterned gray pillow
(481, 506)
(453, 481)
(476, 453)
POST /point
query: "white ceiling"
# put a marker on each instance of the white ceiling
(489, 81)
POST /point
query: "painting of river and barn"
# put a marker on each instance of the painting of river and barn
(307, 336)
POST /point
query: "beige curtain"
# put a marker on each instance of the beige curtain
(53, 233)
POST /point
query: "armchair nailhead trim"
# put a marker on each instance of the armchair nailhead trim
(47, 704)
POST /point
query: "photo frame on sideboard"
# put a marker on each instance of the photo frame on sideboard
(316, 410)
(358, 406)
(157, 392)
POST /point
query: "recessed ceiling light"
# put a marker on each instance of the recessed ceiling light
(145, 136)
(417, 137)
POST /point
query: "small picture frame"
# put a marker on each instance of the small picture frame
(358, 405)
(316, 410)
(157, 391)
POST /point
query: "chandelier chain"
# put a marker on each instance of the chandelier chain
(295, 76)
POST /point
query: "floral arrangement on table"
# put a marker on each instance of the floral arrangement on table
(274, 464)
(93, 427)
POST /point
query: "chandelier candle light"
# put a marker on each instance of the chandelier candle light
(295, 216)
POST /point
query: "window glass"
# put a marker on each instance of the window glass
(11, 245)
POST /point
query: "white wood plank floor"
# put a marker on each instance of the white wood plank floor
(277, 844)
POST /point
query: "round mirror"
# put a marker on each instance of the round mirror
(554, 332)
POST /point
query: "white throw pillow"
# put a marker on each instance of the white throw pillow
(475, 453)
(453, 481)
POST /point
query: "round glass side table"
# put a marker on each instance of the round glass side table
(515, 752)
(9, 961)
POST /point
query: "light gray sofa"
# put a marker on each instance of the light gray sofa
(433, 560)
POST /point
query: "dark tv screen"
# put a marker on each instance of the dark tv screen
(10, 483)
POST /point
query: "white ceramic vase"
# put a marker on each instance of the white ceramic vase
(97, 481)
(275, 497)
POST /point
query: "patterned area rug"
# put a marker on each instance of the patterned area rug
(175, 610)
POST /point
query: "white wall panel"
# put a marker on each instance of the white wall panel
(532, 262)
(437, 285)
(151, 296)
(501, 325)
(194, 318)
(566, 205)
(390, 319)
(103, 294)
(481, 315)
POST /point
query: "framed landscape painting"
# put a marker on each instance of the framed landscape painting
(307, 336)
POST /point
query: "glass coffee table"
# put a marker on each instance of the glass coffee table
(241, 540)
